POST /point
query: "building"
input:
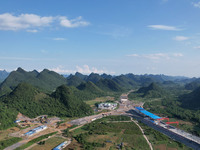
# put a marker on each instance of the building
(17, 121)
(109, 106)
(61, 146)
(35, 130)
(123, 98)
(153, 118)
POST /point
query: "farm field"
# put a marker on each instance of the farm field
(102, 135)
(49, 144)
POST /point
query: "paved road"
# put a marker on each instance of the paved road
(169, 133)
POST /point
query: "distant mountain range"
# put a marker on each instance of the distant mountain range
(3, 75)
(45, 80)
(48, 81)
(34, 93)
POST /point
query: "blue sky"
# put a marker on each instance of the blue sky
(107, 36)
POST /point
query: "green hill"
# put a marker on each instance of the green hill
(193, 85)
(191, 100)
(125, 82)
(88, 91)
(152, 91)
(81, 76)
(109, 85)
(31, 102)
(45, 80)
(94, 77)
(74, 81)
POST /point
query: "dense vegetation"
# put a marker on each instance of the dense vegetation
(191, 100)
(7, 116)
(45, 80)
(151, 91)
(8, 142)
(31, 102)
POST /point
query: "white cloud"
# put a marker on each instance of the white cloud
(61, 70)
(157, 56)
(85, 69)
(180, 38)
(197, 47)
(164, 27)
(77, 22)
(178, 55)
(31, 22)
(133, 55)
(196, 4)
(33, 31)
(23, 21)
(59, 39)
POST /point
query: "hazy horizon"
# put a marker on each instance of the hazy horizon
(73, 73)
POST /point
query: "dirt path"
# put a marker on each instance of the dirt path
(143, 134)
(37, 142)
(76, 127)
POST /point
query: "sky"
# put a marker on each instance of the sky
(101, 36)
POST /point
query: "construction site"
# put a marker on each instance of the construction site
(167, 125)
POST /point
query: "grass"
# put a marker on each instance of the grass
(35, 141)
(9, 142)
(159, 140)
(99, 131)
(49, 144)
(4, 134)
(101, 99)
(78, 131)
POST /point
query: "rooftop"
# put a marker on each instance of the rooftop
(148, 113)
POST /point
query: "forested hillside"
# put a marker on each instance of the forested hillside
(45, 80)
(152, 91)
(29, 101)
(191, 100)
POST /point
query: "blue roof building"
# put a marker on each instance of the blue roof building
(145, 112)
(61, 146)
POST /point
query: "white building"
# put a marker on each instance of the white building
(109, 106)
(123, 98)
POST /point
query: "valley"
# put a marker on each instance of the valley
(65, 113)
